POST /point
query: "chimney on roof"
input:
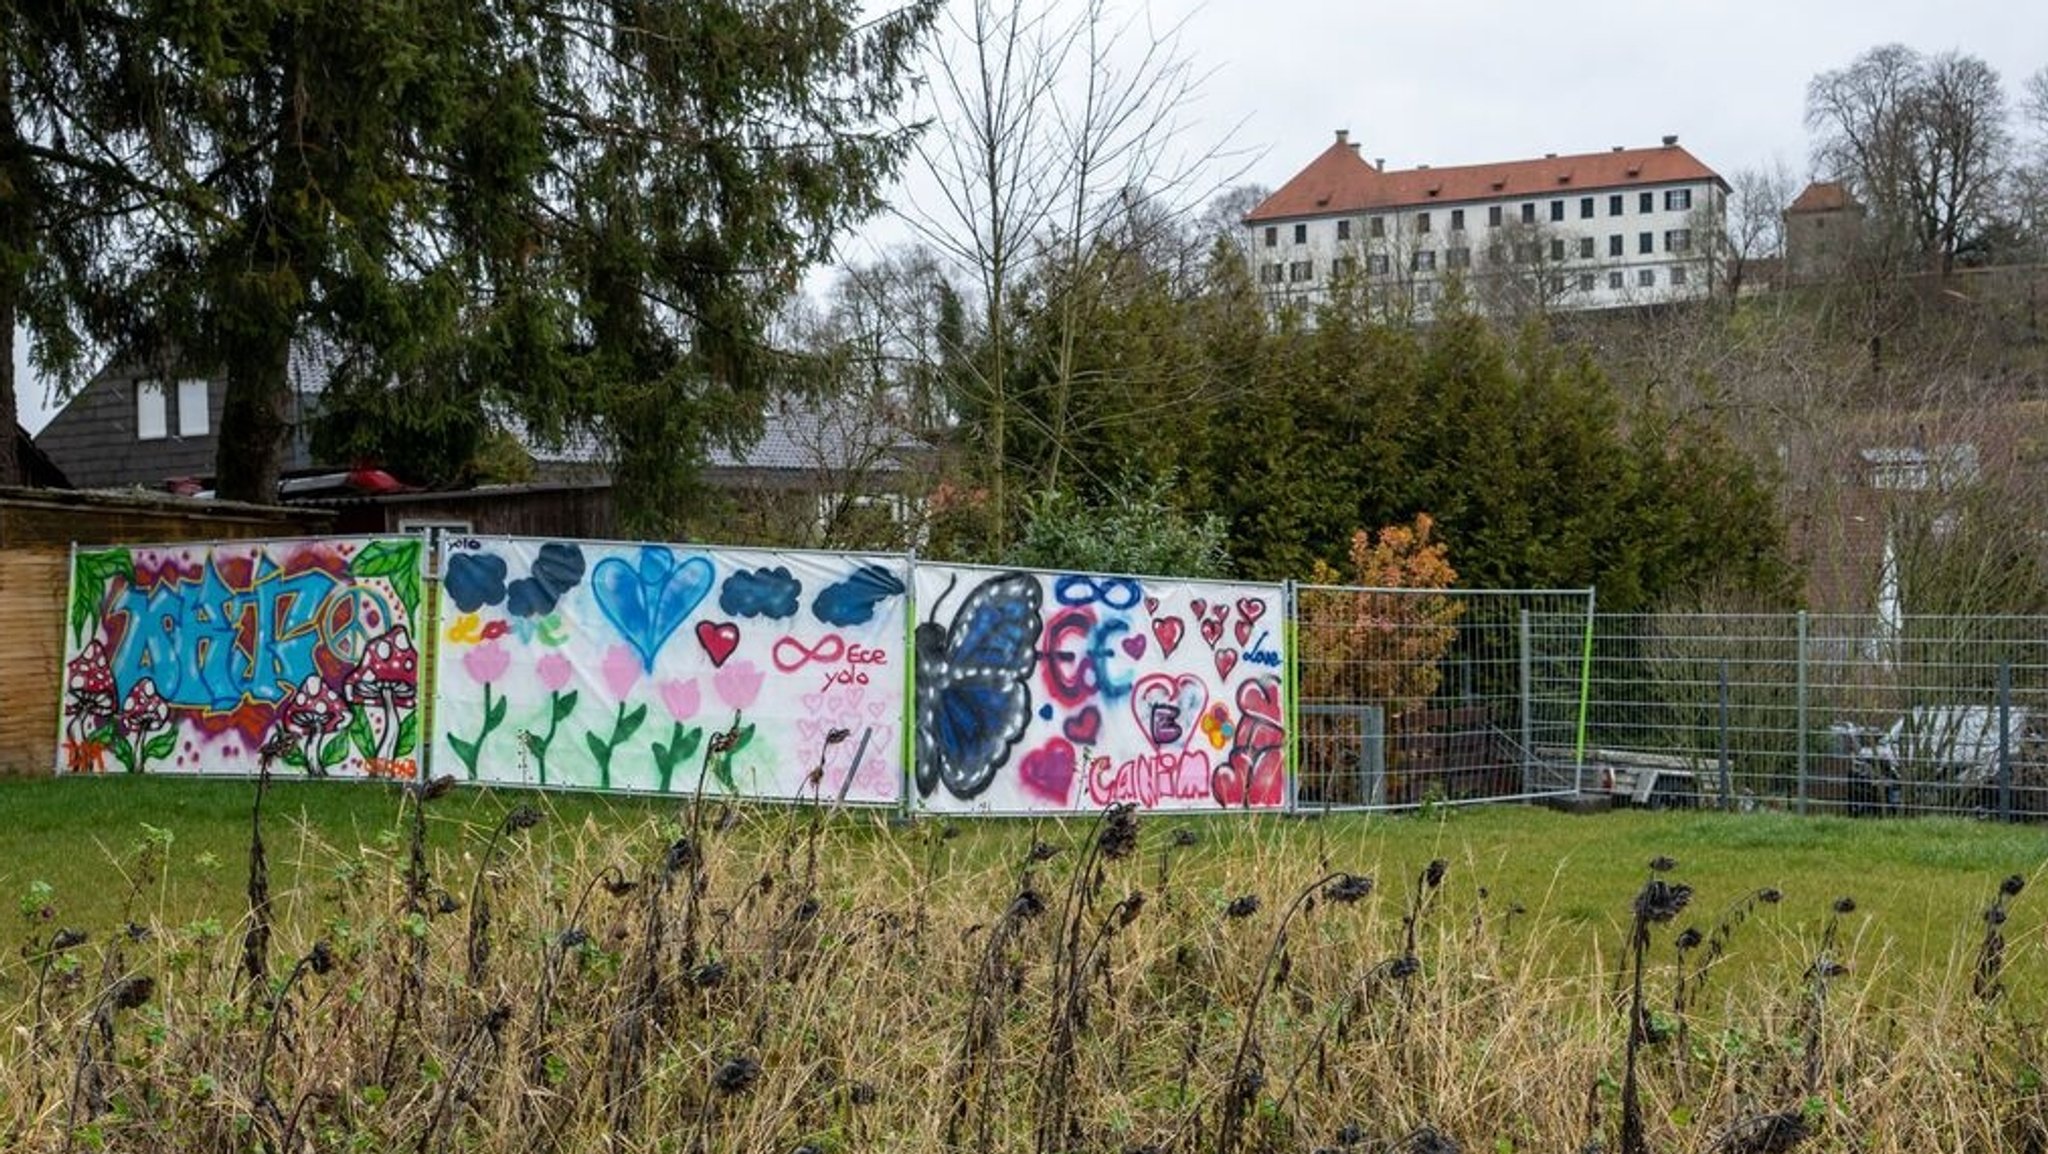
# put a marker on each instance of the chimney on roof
(1343, 136)
(1380, 163)
(1550, 156)
(1354, 148)
(1617, 148)
(1421, 167)
(1671, 141)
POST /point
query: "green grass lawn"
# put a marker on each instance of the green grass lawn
(1918, 884)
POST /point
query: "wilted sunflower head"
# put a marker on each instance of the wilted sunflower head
(1347, 888)
(1660, 901)
(737, 1076)
(1119, 836)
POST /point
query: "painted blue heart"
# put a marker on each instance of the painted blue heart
(648, 603)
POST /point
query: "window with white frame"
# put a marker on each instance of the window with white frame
(1678, 200)
(1301, 234)
(1269, 273)
(1376, 264)
(1647, 278)
(1678, 240)
(1376, 227)
(1301, 270)
(193, 416)
(152, 417)
(1457, 220)
(1272, 235)
(1678, 274)
(1557, 248)
(1556, 210)
(1344, 229)
(1458, 257)
(1615, 279)
(1423, 262)
(1585, 248)
(1421, 222)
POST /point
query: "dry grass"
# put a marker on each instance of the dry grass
(737, 980)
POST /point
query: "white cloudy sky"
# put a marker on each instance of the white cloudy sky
(1459, 83)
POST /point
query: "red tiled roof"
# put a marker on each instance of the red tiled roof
(1340, 180)
(1823, 196)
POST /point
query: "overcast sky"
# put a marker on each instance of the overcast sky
(1466, 83)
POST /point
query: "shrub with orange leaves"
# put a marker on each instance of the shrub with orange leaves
(1374, 641)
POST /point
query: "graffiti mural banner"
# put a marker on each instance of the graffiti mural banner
(1049, 692)
(208, 658)
(656, 668)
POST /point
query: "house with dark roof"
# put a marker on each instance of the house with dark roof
(1625, 227)
(823, 472)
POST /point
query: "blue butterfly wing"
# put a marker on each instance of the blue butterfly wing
(972, 702)
(997, 630)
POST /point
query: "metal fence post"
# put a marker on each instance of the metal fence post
(2005, 739)
(1799, 662)
(1727, 781)
(1528, 723)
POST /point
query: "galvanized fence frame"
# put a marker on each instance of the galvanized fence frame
(1823, 713)
(1414, 697)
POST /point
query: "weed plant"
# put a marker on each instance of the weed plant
(716, 978)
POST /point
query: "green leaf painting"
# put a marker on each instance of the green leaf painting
(90, 577)
(397, 562)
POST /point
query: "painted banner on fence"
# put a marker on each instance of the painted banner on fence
(1042, 692)
(650, 667)
(204, 658)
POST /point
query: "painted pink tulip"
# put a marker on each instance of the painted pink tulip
(621, 670)
(486, 663)
(738, 684)
(681, 698)
(555, 672)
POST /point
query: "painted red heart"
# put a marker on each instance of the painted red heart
(1226, 660)
(1084, 727)
(1048, 772)
(1244, 631)
(1134, 646)
(1220, 611)
(1260, 700)
(1258, 756)
(719, 639)
(1200, 606)
(1212, 631)
(1168, 631)
(1151, 605)
(1251, 608)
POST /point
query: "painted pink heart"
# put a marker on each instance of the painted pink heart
(1084, 727)
(1168, 708)
(1168, 630)
(1134, 645)
(1201, 607)
(1212, 631)
(1251, 608)
(1048, 772)
(1226, 660)
(1244, 631)
(1151, 605)
(719, 639)
(1220, 612)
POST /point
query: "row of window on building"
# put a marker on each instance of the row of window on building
(1304, 271)
(1675, 200)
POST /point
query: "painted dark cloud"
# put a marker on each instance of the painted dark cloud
(770, 593)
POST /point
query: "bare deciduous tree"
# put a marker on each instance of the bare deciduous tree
(1921, 139)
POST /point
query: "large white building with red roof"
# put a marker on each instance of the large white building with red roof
(1630, 226)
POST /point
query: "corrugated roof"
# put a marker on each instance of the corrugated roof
(1341, 181)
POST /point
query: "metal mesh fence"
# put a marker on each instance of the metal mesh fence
(1411, 696)
(1841, 714)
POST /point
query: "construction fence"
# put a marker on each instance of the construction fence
(882, 680)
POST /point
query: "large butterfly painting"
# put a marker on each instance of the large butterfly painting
(972, 700)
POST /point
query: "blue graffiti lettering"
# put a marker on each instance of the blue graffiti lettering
(209, 645)
(1258, 654)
